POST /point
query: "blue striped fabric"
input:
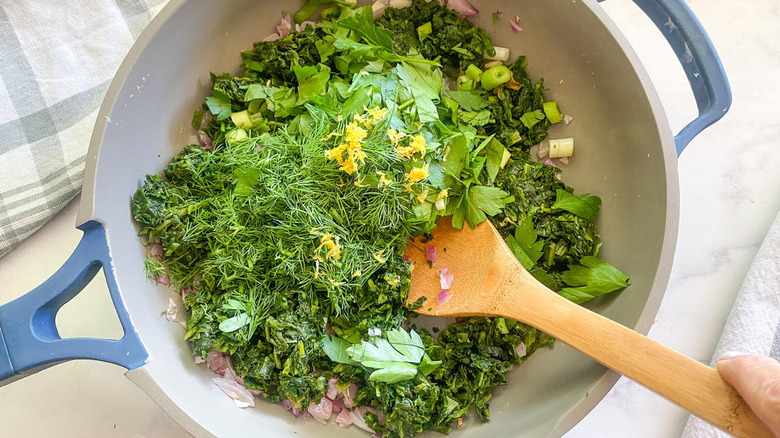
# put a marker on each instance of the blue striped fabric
(57, 64)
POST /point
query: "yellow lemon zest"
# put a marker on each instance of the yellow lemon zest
(421, 197)
(418, 144)
(418, 174)
(330, 242)
(377, 113)
(357, 274)
(352, 146)
(443, 194)
(394, 136)
(378, 256)
(383, 179)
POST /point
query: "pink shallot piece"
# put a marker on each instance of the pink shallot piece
(430, 253)
(465, 8)
(445, 279)
(344, 418)
(443, 297)
(285, 26)
(241, 397)
(322, 410)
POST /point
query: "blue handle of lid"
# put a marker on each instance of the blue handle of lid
(29, 340)
(699, 60)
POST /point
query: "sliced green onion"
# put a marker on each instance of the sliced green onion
(306, 11)
(235, 136)
(474, 72)
(552, 112)
(424, 30)
(241, 119)
(465, 83)
(495, 76)
(562, 147)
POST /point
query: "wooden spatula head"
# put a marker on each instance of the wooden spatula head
(477, 258)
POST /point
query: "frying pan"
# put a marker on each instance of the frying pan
(626, 153)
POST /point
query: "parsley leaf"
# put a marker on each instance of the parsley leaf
(479, 118)
(593, 278)
(425, 84)
(493, 157)
(524, 243)
(531, 118)
(219, 104)
(367, 30)
(311, 81)
(483, 200)
(394, 359)
(584, 206)
(245, 179)
(336, 349)
(468, 100)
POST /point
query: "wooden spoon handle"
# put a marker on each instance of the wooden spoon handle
(691, 384)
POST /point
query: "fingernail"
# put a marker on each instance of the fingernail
(730, 355)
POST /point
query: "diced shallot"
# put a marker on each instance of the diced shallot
(344, 418)
(218, 362)
(378, 8)
(515, 27)
(465, 8)
(443, 297)
(322, 410)
(544, 150)
(172, 310)
(273, 37)
(430, 253)
(567, 119)
(356, 415)
(241, 397)
(199, 360)
(349, 395)
(285, 26)
(161, 277)
(521, 350)
(156, 250)
(332, 391)
(407, 259)
(205, 141)
(399, 4)
(379, 415)
(287, 404)
(445, 279)
(564, 160)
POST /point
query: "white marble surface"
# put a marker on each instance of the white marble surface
(730, 192)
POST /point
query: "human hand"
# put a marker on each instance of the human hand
(757, 379)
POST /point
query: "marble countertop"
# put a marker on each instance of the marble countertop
(729, 190)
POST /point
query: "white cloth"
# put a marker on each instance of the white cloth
(753, 327)
(58, 58)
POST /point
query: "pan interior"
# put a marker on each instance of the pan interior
(623, 154)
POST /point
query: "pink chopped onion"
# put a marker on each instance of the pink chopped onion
(332, 391)
(379, 415)
(337, 408)
(515, 27)
(550, 162)
(407, 259)
(172, 310)
(256, 392)
(205, 141)
(499, 14)
(296, 411)
(544, 150)
(564, 160)
(303, 25)
(161, 277)
(241, 397)
(445, 279)
(199, 360)
(273, 37)
(567, 119)
(443, 297)
(349, 396)
(356, 415)
(430, 253)
(321, 411)
(285, 26)
(287, 405)
(465, 8)
(218, 362)
(521, 350)
(344, 418)
(156, 250)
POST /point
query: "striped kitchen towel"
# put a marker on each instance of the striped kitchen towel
(57, 60)
(753, 326)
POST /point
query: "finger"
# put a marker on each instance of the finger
(757, 379)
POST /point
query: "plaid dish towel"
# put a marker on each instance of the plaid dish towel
(57, 60)
(753, 326)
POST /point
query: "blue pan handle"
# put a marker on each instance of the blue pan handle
(29, 340)
(699, 60)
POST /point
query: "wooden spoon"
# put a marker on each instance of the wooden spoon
(489, 281)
